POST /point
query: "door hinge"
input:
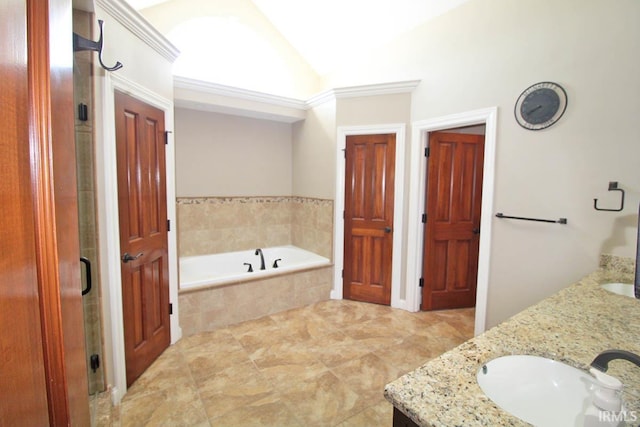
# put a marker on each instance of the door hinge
(168, 225)
(427, 151)
(83, 112)
(170, 308)
(421, 282)
(94, 362)
(342, 274)
(166, 136)
(344, 151)
(424, 218)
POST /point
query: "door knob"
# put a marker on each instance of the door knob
(476, 231)
(126, 257)
(387, 229)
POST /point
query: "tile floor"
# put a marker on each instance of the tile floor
(321, 365)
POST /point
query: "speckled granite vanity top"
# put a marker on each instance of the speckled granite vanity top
(571, 326)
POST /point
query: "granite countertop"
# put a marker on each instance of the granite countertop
(572, 326)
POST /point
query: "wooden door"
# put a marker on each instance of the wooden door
(140, 140)
(452, 231)
(368, 218)
(42, 368)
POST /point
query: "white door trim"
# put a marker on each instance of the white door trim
(398, 225)
(419, 139)
(108, 223)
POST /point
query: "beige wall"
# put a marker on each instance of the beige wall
(484, 54)
(223, 155)
(314, 146)
(374, 110)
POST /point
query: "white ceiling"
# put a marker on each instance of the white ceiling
(325, 32)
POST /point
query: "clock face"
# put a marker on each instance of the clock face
(540, 105)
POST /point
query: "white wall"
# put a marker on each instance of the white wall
(222, 155)
(269, 65)
(484, 54)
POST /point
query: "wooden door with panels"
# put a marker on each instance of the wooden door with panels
(368, 217)
(452, 230)
(142, 203)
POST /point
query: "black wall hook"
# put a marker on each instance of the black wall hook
(80, 43)
(613, 186)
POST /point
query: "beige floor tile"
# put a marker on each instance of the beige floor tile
(269, 412)
(179, 406)
(288, 361)
(323, 400)
(413, 352)
(336, 348)
(303, 323)
(379, 414)
(374, 334)
(204, 361)
(322, 365)
(345, 312)
(367, 375)
(168, 371)
(233, 389)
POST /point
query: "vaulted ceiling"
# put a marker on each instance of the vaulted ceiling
(328, 31)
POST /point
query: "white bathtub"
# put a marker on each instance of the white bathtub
(206, 271)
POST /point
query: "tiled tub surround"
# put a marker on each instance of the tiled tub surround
(572, 326)
(209, 225)
(212, 308)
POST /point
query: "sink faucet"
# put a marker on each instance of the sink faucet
(601, 362)
(259, 252)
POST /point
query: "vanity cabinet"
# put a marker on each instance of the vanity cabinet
(401, 420)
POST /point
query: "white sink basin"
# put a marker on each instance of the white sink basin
(540, 391)
(625, 289)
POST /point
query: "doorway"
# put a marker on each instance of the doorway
(452, 218)
(398, 130)
(418, 170)
(140, 146)
(368, 217)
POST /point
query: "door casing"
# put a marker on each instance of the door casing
(338, 248)
(109, 229)
(418, 168)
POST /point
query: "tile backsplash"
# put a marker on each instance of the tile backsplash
(208, 225)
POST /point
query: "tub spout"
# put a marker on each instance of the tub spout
(259, 252)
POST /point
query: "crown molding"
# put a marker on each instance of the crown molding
(377, 89)
(235, 92)
(363, 90)
(214, 97)
(138, 25)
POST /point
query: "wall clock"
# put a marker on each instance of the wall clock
(540, 105)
